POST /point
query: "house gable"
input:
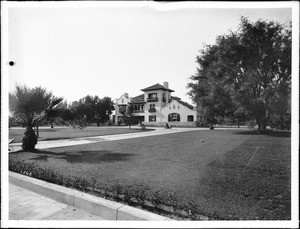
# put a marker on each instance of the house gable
(177, 105)
(123, 100)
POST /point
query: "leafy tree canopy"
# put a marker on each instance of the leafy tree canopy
(246, 74)
(95, 109)
(31, 106)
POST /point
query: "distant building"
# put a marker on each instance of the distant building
(156, 107)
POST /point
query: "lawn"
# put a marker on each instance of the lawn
(69, 132)
(228, 173)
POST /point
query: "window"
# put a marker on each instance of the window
(152, 96)
(152, 108)
(174, 107)
(152, 118)
(163, 97)
(174, 117)
(190, 118)
(122, 100)
(178, 107)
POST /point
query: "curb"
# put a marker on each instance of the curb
(106, 209)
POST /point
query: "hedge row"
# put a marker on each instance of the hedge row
(138, 196)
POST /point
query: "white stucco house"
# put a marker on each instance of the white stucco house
(156, 107)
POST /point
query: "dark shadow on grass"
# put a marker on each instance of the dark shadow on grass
(41, 158)
(53, 139)
(275, 133)
(91, 157)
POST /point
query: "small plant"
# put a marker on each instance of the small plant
(103, 190)
(81, 183)
(93, 183)
(68, 182)
(116, 189)
(156, 199)
(128, 195)
(172, 200)
(192, 210)
(140, 193)
(80, 123)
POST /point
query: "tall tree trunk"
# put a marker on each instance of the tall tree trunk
(29, 140)
(37, 131)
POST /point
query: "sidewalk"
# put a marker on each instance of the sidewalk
(34, 199)
(27, 205)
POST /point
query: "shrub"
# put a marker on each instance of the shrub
(116, 189)
(128, 195)
(157, 199)
(140, 194)
(172, 200)
(192, 210)
(93, 183)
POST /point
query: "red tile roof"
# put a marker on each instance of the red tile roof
(156, 87)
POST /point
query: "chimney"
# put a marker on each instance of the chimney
(126, 95)
(166, 84)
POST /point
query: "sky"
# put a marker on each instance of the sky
(106, 51)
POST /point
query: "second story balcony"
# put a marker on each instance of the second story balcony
(138, 111)
(152, 99)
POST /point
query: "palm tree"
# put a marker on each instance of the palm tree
(31, 106)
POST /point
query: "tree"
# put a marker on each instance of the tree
(129, 118)
(102, 109)
(83, 109)
(246, 74)
(55, 115)
(31, 106)
(94, 109)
